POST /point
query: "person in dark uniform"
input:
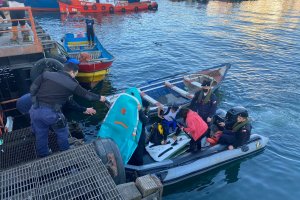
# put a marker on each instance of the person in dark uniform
(90, 29)
(49, 92)
(239, 134)
(24, 104)
(204, 102)
(137, 156)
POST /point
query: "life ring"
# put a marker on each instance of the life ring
(123, 10)
(150, 7)
(85, 7)
(110, 155)
(111, 9)
(45, 64)
(94, 7)
(136, 9)
(103, 7)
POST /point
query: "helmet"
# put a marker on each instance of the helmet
(237, 110)
(221, 113)
(233, 113)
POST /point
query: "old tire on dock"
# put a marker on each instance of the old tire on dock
(110, 155)
(45, 64)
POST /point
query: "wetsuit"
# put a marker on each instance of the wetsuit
(90, 30)
(49, 92)
(138, 154)
(203, 105)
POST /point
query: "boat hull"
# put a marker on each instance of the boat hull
(177, 89)
(188, 165)
(79, 7)
(42, 5)
(92, 77)
(94, 66)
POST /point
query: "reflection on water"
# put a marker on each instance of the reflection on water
(205, 181)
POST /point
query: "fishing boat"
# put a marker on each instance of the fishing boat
(110, 6)
(42, 5)
(178, 89)
(95, 60)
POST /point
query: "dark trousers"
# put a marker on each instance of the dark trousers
(90, 35)
(42, 118)
(138, 154)
(227, 138)
(17, 14)
(196, 145)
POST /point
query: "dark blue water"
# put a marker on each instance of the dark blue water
(262, 41)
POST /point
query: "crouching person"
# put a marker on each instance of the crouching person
(168, 116)
(239, 134)
(49, 92)
(196, 127)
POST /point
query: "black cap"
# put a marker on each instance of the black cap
(205, 83)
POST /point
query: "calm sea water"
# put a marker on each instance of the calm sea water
(261, 39)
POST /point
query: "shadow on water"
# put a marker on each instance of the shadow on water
(206, 180)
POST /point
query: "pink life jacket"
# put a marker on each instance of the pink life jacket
(196, 127)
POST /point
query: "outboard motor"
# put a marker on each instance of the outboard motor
(232, 114)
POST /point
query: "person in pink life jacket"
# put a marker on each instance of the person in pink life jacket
(196, 127)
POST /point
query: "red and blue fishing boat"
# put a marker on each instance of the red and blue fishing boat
(95, 60)
(105, 6)
(42, 5)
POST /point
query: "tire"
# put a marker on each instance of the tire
(136, 9)
(106, 147)
(123, 10)
(111, 10)
(45, 64)
(103, 8)
(94, 7)
(150, 7)
(85, 7)
(58, 57)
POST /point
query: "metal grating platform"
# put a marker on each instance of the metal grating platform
(19, 147)
(75, 174)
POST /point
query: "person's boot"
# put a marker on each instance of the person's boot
(14, 33)
(25, 34)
